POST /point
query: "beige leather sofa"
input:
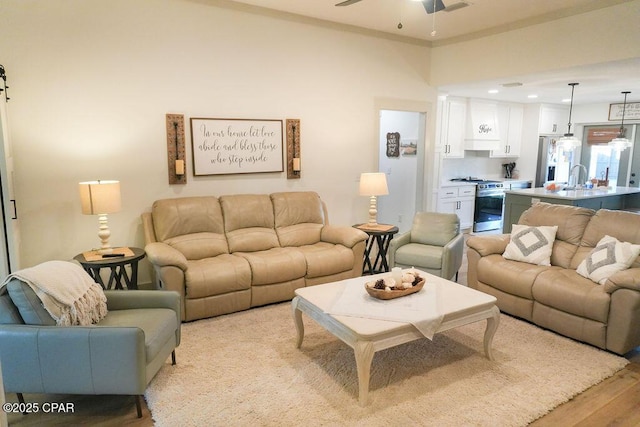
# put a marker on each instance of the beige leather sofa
(556, 297)
(230, 253)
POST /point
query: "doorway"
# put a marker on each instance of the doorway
(619, 167)
(9, 248)
(401, 158)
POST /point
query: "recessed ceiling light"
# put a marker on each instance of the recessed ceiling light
(493, 91)
(532, 96)
(566, 100)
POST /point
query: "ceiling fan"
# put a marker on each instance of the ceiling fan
(429, 5)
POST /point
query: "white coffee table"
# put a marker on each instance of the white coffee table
(460, 305)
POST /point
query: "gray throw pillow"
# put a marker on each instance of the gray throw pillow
(9, 314)
(29, 305)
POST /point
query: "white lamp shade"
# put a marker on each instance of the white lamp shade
(100, 197)
(569, 142)
(373, 184)
(620, 143)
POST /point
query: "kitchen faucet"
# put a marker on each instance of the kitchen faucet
(577, 182)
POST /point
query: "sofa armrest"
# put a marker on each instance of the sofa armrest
(341, 235)
(489, 244)
(452, 257)
(120, 300)
(163, 255)
(399, 240)
(106, 360)
(395, 244)
(628, 279)
(147, 228)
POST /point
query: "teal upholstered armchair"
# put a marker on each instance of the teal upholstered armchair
(434, 244)
(118, 355)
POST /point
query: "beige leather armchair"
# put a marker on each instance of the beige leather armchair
(434, 244)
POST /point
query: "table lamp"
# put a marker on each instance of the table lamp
(101, 198)
(372, 185)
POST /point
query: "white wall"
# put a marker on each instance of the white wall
(91, 83)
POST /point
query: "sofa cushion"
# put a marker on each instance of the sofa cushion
(608, 257)
(216, 276)
(324, 259)
(624, 226)
(299, 217)
(512, 277)
(249, 222)
(158, 325)
(571, 222)
(531, 244)
(567, 291)
(199, 245)
(9, 314)
(416, 254)
(275, 265)
(186, 215)
(29, 305)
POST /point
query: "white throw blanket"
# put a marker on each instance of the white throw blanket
(67, 292)
(421, 309)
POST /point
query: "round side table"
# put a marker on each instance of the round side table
(117, 265)
(380, 236)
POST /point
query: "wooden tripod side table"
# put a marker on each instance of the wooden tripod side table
(380, 236)
(119, 277)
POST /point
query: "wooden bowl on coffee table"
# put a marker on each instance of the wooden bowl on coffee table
(385, 295)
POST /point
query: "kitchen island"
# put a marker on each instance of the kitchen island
(518, 200)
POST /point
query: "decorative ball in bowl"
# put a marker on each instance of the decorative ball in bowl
(387, 288)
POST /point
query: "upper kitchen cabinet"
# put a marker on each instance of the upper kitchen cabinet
(453, 118)
(483, 129)
(553, 120)
(510, 119)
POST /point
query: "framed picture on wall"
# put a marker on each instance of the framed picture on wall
(393, 144)
(631, 111)
(236, 146)
(409, 147)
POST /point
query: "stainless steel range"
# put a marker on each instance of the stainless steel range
(489, 203)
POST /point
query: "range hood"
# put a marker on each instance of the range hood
(482, 132)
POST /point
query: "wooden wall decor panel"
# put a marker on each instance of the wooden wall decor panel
(293, 148)
(176, 148)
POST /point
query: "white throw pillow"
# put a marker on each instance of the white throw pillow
(608, 257)
(531, 244)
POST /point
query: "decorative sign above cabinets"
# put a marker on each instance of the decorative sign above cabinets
(482, 126)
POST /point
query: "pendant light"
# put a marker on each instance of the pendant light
(569, 142)
(620, 143)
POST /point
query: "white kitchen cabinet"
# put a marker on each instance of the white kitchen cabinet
(553, 120)
(460, 201)
(453, 128)
(510, 118)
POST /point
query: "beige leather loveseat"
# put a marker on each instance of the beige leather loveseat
(556, 296)
(229, 253)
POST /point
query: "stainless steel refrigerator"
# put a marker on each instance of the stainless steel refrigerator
(554, 164)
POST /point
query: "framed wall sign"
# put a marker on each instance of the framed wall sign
(233, 146)
(631, 111)
(393, 144)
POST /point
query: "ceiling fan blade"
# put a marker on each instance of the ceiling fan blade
(347, 2)
(428, 5)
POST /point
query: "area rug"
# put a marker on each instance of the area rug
(243, 369)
